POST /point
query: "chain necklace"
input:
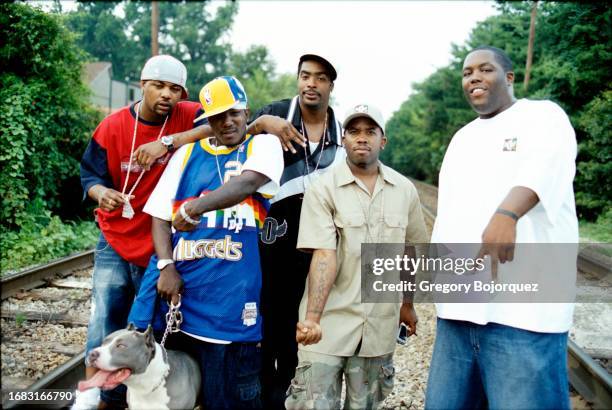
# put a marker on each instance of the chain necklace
(307, 175)
(128, 211)
(235, 223)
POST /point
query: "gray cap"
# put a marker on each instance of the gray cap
(166, 68)
(365, 110)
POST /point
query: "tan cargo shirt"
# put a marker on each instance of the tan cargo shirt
(339, 213)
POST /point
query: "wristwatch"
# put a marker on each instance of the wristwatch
(168, 142)
(162, 263)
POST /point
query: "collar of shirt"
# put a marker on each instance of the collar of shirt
(331, 123)
(345, 175)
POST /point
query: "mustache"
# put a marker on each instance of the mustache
(311, 91)
(362, 146)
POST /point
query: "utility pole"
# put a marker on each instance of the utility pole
(154, 28)
(534, 10)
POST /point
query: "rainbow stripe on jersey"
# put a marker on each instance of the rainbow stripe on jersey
(219, 259)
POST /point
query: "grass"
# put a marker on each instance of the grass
(600, 231)
(20, 319)
(42, 240)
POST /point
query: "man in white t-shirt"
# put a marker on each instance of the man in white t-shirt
(214, 192)
(506, 179)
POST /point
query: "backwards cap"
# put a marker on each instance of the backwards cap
(166, 68)
(220, 95)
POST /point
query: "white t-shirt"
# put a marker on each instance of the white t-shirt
(531, 144)
(266, 158)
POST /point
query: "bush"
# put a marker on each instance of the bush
(42, 238)
(593, 194)
(599, 231)
(46, 118)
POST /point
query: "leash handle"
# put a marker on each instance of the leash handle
(174, 318)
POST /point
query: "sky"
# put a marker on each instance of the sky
(379, 48)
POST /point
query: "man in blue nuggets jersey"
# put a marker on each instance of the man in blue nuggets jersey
(214, 192)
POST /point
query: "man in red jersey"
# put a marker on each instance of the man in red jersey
(111, 176)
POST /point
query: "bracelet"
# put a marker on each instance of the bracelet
(186, 217)
(507, 213)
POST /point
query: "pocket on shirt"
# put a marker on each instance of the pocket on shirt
(351, 230)
(395, 228)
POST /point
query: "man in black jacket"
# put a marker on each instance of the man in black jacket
(309, 119)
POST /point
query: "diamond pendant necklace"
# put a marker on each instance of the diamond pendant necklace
(128, 211)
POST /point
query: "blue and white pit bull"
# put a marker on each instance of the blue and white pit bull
(156, 378)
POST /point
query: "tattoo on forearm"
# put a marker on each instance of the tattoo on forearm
(319, 296)
(321, 280)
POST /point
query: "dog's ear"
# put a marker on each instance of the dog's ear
(131, 326)
(149, 338)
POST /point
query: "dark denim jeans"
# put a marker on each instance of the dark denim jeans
(498, 367)
(230, 372)
(115, 283)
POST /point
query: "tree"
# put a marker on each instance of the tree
(593, 192)
(102, 34)
(570, 66)
(45, 115)
(257, 72)
(187, 31)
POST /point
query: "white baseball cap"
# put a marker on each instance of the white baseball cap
(166, 68)
(365, 110)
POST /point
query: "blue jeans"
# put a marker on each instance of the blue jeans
(498, 367)
(115, 283)
(230, 372)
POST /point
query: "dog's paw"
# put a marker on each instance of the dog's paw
(86, 400)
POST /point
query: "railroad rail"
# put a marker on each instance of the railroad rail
(589, 379)
(67, 375)
(36, 276)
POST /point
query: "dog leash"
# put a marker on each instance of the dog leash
(174, 318)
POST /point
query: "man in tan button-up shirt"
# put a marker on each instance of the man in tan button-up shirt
(358, 201)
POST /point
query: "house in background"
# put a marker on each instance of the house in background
(107, 93)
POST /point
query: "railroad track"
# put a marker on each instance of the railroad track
(587, 377)
(67, 374)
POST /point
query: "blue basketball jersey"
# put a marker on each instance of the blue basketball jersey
(219, 260)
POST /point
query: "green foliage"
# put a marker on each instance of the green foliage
(262, 90)
(187, 30)
(571, 63)
(599, 231)
(257, 73)
(45, 120)
(102, 34)
(42, 238)
(593, 190)
(20, 319)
